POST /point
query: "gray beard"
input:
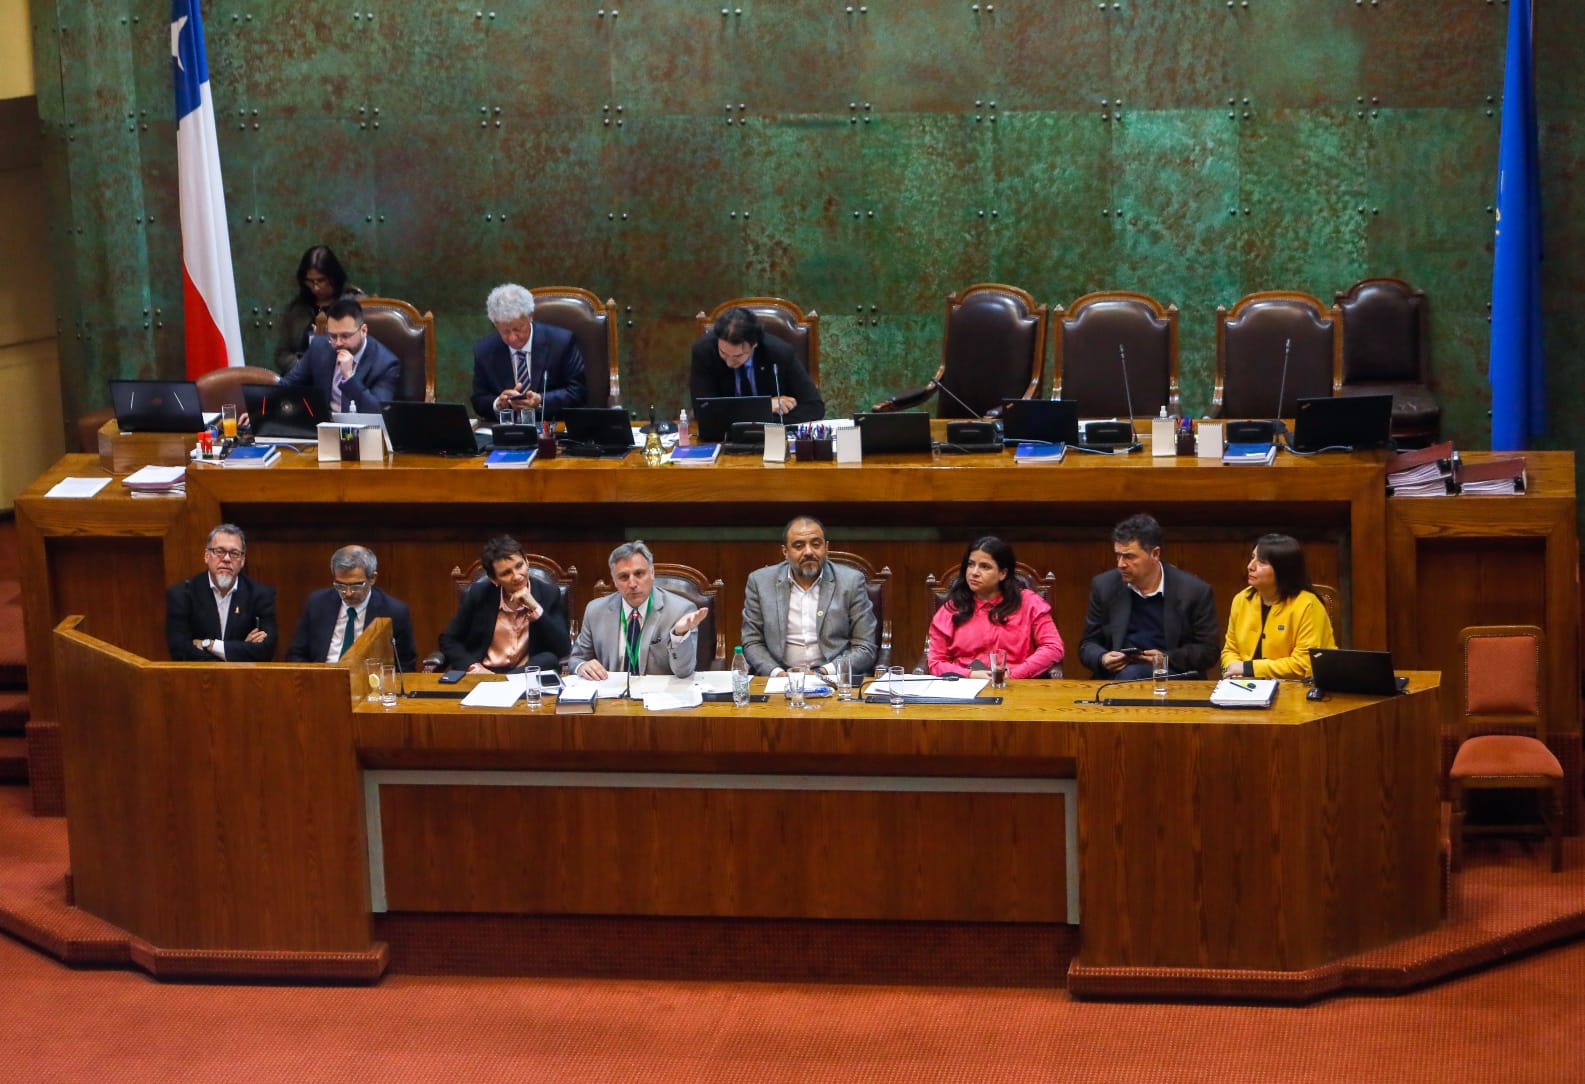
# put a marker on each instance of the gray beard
(223, 581)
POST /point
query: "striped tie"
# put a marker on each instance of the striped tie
(522, 368)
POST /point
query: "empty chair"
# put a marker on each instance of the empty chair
(781, 318)
(1270, 345)
(1088, 367)
(540, 567)
(993, 348)
(1387, 349)
(593, 323)
(410, 335)
(219, 387)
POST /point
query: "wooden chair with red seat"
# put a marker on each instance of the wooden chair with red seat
(781, 318)
(541, 568)
(699, 589)
(1501, 728)
(940, 586)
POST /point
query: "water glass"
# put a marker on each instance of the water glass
(998, 662)
(894, 685)
(388, 684)
(797, 683)
(531, 689)
(1159, 673)
(527, 416)
(371, 680)
(842, 677)
(505, 416)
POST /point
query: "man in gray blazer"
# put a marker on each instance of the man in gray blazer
(807, 611)
(638, 629)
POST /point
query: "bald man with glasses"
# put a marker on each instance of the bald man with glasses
(220, 615)
(335, 616)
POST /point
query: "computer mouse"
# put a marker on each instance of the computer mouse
(1315, 694)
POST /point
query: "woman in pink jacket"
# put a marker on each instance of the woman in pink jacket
(987, 608)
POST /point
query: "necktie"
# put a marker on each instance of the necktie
(352, 630)
(335, 393)
(747, 367)
(632, 641)
(522, 368)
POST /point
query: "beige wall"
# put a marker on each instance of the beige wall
(30, 397)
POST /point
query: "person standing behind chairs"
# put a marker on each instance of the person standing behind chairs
(348, 364)
(525, 364)
(1277, 620)
(1146, 604)
(988, 609)
(807, 611)
(220, 615)
(320, 281)
(735, 358)
(507, 620)
(639, 628)
(335, 616)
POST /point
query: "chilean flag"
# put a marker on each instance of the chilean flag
(209, 293)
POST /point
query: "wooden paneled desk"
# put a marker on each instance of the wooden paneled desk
(231, 839)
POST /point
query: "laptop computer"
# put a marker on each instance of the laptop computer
(156, 406)
(597, 431)
(1342, 670)
(432, 428)
(285, 413)
(1343, 422)
(715, 416)
(1046, 421)
(894, 432)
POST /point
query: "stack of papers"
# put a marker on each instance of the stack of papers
(1423, 472)
(155, 481)
(1244, 692)
(920, 686)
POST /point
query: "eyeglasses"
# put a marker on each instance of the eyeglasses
(222, 551)
(349, 588)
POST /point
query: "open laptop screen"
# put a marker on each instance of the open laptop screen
(156, 406)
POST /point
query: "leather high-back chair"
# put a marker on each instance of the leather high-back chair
(940, 586)
(1387, 349)
(781, 318)
(593, 323)
(1502, 728)
(697, 588)
(541, 568)
(1088, 368)
(878, 585)
(1252, 340)
(993, 348)
(1332, 602)
(410, 335)
(218, 387)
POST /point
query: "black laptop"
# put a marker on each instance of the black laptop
(1368, 673)
(605, 432)
(715, 416)
(278, 413)
(1040, 421)
(894, 432)
(1343, 423)
(156, 406)
(432, 428)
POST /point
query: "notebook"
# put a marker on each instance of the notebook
(432, 428)
(1049, 421)
(1341, 670)
(156, 406)
(1342, 422)
(597, 431)
(894, 432)
(285, 413)
(715, 416)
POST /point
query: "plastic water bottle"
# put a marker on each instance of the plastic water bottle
(682, 428)
(740, 677)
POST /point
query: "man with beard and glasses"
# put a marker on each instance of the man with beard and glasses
(220, 615)
(807, 611)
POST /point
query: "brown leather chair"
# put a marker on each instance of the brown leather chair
(878, 585)
(993, 348)
(593, 323)
(410, 335)
(1333, 602)
(1387, 349)
(694, 586)
(781, 318)
(218, 387)
(1252, 340)
(1087, 367)
(541, 568)
(940, 586)
(1503, 702)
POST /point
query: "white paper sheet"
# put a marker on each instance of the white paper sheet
(77, 487)
(923, 685)
(613, 686)
(690, 697)
(495, 694)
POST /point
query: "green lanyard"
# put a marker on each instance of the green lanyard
(631, 649)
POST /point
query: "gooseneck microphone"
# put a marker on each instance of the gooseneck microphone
(775, 372)
(1128, 396)
(950, 394)
(401, 676)
(1280, 426)
(1177, 675)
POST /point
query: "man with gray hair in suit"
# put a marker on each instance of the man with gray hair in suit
(524, 364)
(807, 611)
(639, 628)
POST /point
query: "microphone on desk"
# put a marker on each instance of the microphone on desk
(401, 677)
(1277, 424)
(1128, 396)
(1178, 675)
(1101, 431)
(949, 393)
(775, 372)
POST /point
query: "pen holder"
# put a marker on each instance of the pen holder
(813, 450)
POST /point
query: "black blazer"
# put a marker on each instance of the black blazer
(554, 353)
(374, 382)
(467, 637)
(324, 613)
(190, 615)
(711, 378)
(1193, 636)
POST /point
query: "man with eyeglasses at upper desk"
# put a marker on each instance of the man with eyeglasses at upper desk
(335, 616)
(348, 364)
(220, 615)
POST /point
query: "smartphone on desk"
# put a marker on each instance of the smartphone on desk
(451, 677)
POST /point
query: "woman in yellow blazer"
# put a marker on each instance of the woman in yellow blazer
(1276, 622)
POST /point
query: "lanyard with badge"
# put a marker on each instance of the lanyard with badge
(632, 646)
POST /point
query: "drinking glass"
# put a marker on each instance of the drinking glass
(228, 420)
(388, 684)
(527, 416)
(531, 689)
(998, 661)
(842, 676)
(1159, 673)
(371, 679)
(505, 416)
(894, 685)
(797, 683)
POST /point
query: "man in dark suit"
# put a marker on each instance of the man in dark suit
(1149, 606)
(736, 358)
(335, 616)
(351, 367)
(220, 615)
(524, 364)
(508, 620)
